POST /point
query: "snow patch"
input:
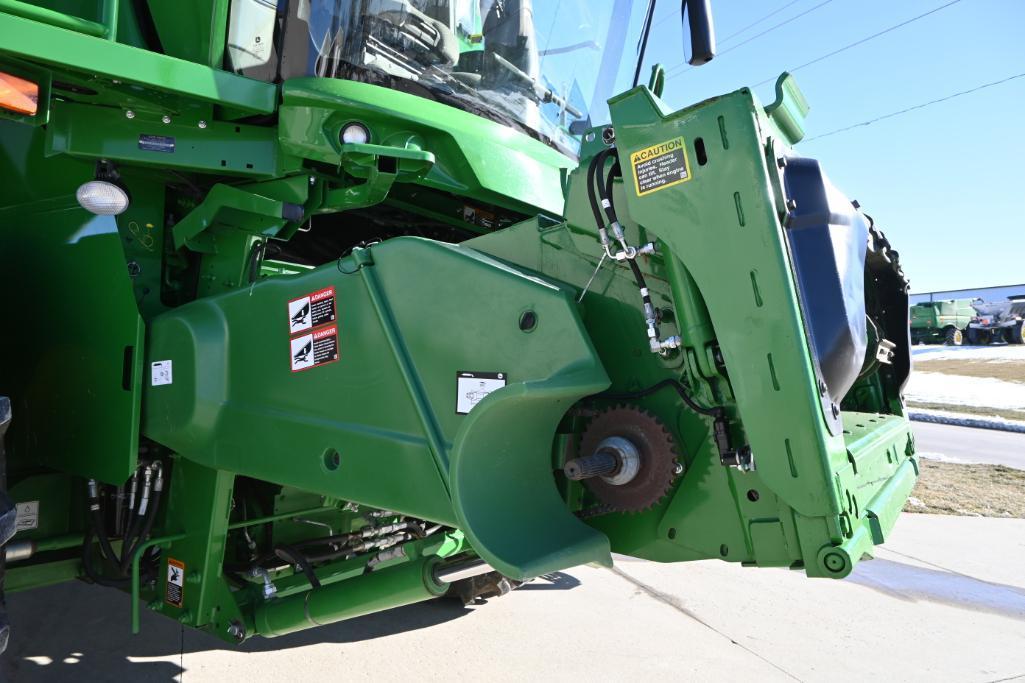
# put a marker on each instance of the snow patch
(981, 392)
(985, 353)
(945, 417)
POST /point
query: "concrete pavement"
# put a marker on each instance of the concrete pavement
(966, 445)
(945, 601)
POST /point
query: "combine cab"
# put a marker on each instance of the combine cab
(317, 309)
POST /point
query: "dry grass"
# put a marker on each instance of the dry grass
(973, 490)
(1009, 371)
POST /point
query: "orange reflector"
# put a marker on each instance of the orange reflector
(18, 95)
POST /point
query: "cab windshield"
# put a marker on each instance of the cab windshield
(541, 69)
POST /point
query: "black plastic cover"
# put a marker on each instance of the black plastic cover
(828, 239)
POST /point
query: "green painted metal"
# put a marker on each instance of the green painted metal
(80, 54)
(105, 29)
(474, 156)
(84, 371)
(436, 239)
(404, 585)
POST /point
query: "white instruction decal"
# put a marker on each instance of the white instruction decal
(472, 387)
(27, 515)
(160, 373)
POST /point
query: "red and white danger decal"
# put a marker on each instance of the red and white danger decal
(312, 310)
(317, 348)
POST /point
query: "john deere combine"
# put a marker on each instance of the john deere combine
(320, 307)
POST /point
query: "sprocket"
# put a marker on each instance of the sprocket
(659, 463)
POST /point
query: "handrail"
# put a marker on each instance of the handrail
(105, 28)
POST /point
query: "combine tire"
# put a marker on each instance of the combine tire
(1016, 334)
(953, 337)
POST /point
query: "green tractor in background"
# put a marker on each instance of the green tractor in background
(941, 322)
(317, 308)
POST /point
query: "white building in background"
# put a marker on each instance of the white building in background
(984, 293)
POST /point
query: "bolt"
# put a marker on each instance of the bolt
(608, 135)
(237, 630)
(165, 118)
(822, 387)
(129, 114)
(781, 162)
(313, 180)
(678, 469)
(134, 269)
(792, 204)
(116, 82)
(202, 124)
(836, 410)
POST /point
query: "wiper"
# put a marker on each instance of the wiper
(542, 93)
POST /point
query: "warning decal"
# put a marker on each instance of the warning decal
(26, 516)
(317, 348)
(175, 582)
(312, 310)
(660, 166)
(472, 387)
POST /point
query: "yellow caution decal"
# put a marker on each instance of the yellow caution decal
(660, 166)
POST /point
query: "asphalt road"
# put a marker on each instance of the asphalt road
(943, 601)
(967, 445)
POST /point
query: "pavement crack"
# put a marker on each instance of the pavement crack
(674, 603)
(1016, 677)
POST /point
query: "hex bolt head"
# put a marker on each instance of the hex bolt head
(792, 204)
(781, 162)
(165, 118)
(678, 469)
(202, 124)
(836, 410)
(129, 114)
(608, 135)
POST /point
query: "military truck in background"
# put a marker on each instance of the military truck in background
(941, 322)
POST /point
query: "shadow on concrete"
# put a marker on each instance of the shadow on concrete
(75, 631)
(913, 583)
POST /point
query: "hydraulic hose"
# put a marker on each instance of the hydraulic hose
(148, 516)
(96, 523)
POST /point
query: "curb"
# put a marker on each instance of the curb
(973, 422)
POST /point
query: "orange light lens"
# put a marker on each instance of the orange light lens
(18, 95)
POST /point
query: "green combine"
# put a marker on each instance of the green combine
(941, 322)
(317, 308)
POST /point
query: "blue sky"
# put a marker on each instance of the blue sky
(947, 182)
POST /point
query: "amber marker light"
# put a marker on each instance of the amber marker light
(18, 95)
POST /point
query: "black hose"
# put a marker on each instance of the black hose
(96, 526)
(90, 570)
(292, 556)
(716, 411)
(598, 161)
(128, 548)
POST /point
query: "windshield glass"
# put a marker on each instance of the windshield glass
(540, 69)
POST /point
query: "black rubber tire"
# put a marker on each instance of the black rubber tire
(953, 337)
(1016, 334)
(972, 337)
(983, 337)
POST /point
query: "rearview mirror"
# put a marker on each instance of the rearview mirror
(702, 32)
